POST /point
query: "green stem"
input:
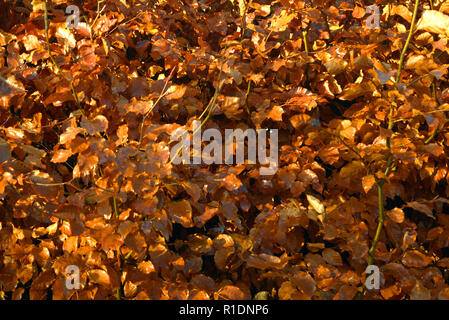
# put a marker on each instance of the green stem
(304, 37)
(380, 192)
(380, 183)
(434, 134)
(154, 105)
(209, 108)
(404, 50)
(114, 199)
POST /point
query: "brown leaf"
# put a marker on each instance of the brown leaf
(230, 293)
(368, 182)
(146, 267)
(416, 259)
(346, 292)
(288, 291)
(175, 92)
(96, 125)
(180, 212)
(231, 182)
(419, 292)
(332, 257)
(434, 21)
(99, 276)
(276, 113)
(396, 214)
(421, 207)
(70, 134)
(264, 261)
(5, 151)
(402, 11)
(224, 246)
(356, 90)
(14, 134)
(358, 12)
(122, 134)
(192, 189)
(305, 283)
(316, 203)
(61, 155)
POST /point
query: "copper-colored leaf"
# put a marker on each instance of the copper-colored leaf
(396, 214)
(61, 155)
(97, 124)
(434, 21)
(181, 212)
(416, 259)
(368, 182)
(99, 276)
(230, 293)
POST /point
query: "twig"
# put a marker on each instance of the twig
(388, 170)
(304, 37)
(366, 165)
(210, 107)
(212, 101)
(246, 99)
(154, 105)
(421, 114)
(243, 20)
(4, 122)
(404, 50)
(380, 194)
(328, 29)
(435, 97)
(47, 38)
(114, 200)
(434, 134)
(98, 13)
(11, 84)
(123, 22)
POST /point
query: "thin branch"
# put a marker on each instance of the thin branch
(434, 134)
(246, 98)
(162, 94)
(328, 29)
(366, 165)
(47, 38)
(404, 50)
(114, 200)
(435, 97)
(11, 84)
(380, 223)
(391, 122)
(210, 107)
(304, 38)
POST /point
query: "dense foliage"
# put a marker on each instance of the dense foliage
(86, 179)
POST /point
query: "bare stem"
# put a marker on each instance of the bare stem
(380, 183)
(209, 108)
(404, 50)
(380, 193)
(154, 105)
